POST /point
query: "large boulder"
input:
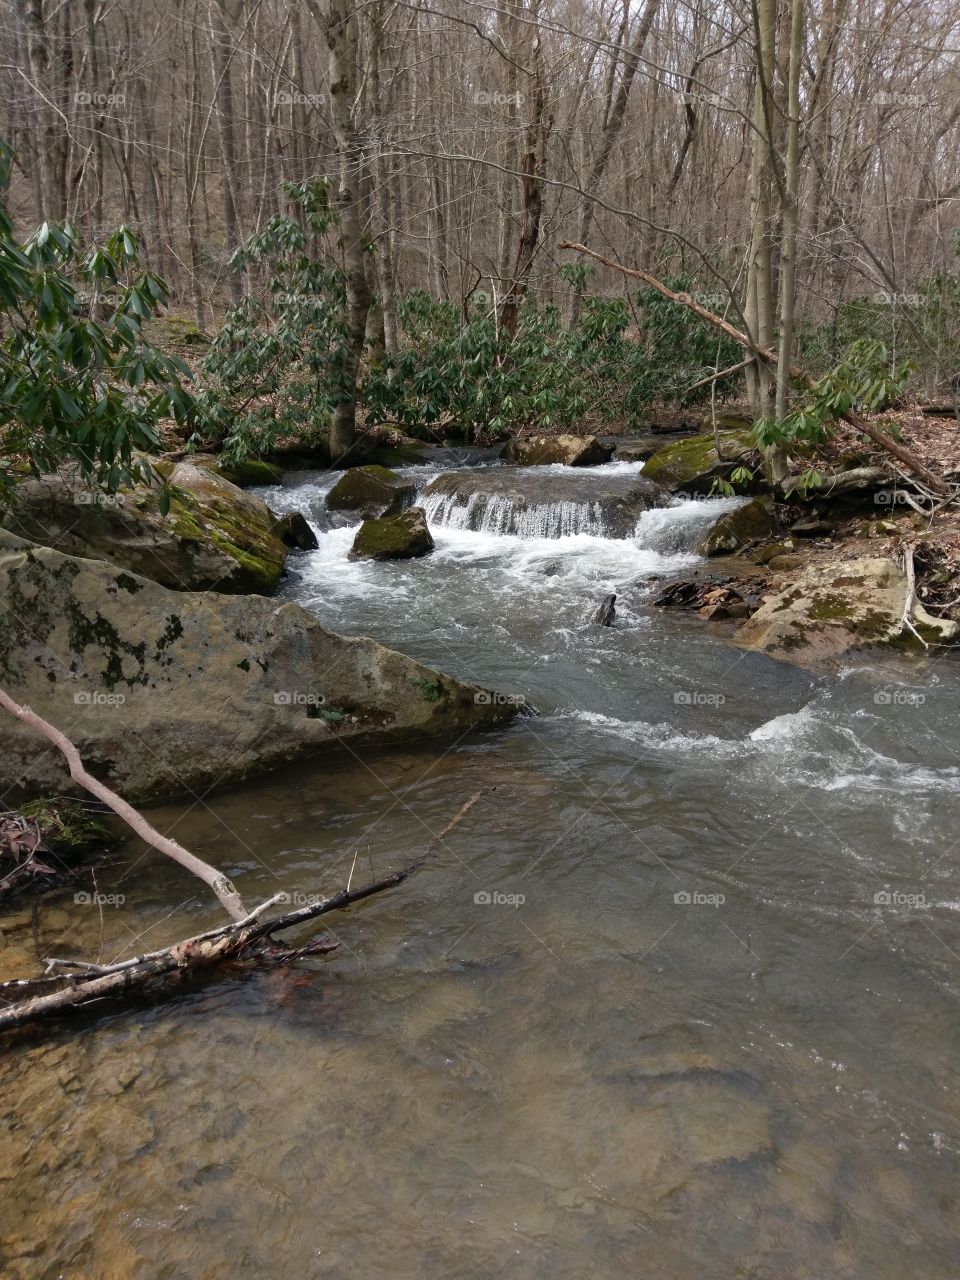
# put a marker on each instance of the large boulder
(692, 465)
(245, 475)
(402, 537)
(214, 537)
(838, 605)
(165, 692)
(735, 529)
(571, 451)
(371, 491)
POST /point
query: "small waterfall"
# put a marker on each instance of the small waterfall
(500, 513)
(673, 530)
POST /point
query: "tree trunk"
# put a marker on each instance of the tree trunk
(343, 45)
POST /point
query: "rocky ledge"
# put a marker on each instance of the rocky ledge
(166, 693)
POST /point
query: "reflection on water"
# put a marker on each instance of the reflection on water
(676, 999)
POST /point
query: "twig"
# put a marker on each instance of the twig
(223, 888)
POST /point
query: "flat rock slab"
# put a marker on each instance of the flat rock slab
(166, 692)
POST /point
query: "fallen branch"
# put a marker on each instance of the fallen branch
(771, 357)
(906, 622)
(230, 900)
(230, 942)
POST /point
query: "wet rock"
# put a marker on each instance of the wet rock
(571, 451)
(214, 537)
(507, 500)
(372, 491)
(605, 613)
(754, 520)
(835, 606)
(402, 537)
(293, 530)
(166, 692)
(691, 466)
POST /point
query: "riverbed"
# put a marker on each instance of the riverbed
(676, 999)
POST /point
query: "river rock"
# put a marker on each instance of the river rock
(214, 537)
(508, 500)
(735, 529)
(402, 537)
(691, 466)
(571, 451)
(835, 606)
(293, 530)
(167, 692)
(371, 491)
(245, 474)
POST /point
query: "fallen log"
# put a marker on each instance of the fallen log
(771, 357)
(239, 940)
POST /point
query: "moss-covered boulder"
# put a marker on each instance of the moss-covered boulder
(570, 451)
(167, 693)
(293, 530)
(735, 529)
(246, 474)
(838, 605)
(692, 465)
(402, 537)
(371, 491)
(214, 536)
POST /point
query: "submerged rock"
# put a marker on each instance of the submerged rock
(214, 537)
(571, 451)
(401, 537)
(692, 465)
(372, 491)
(836, 606)
(166, 693)
(749, 523)
(505, 500)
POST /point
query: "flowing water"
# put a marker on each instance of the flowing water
(677, 998)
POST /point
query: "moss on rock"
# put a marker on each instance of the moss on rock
(693, 464)
(749, 523)
(372, 490)
(401, 537)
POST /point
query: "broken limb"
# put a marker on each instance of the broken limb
(770, 357)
